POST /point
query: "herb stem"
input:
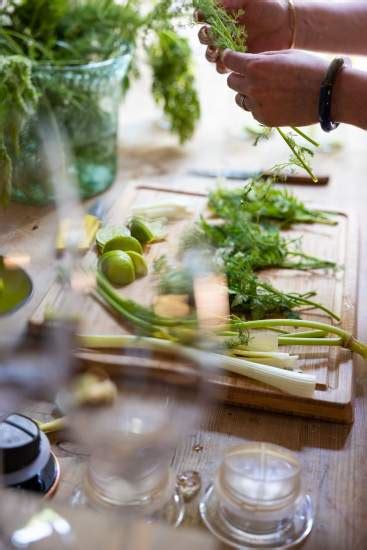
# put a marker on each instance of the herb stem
(305, 136)
(297, 155)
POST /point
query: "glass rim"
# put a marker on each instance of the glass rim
(125, 51)
(253, 448)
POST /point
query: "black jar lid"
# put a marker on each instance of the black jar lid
(20, 442)
(25, 455)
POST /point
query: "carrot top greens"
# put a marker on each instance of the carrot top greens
(66, 32)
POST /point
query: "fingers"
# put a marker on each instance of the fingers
(205, 36)
(221, 68)
(237, 62)
(212, 54)
(238, 83)
(244, 102)
(199, 16)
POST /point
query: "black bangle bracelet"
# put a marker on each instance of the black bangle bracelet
(326, 95)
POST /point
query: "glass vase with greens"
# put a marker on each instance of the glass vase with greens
(68, 62)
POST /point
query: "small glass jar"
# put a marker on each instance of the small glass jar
(83, 100)
(256, 500)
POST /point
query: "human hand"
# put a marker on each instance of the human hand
(279, 88)
(268, 26)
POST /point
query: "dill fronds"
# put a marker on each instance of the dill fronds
(225, 27)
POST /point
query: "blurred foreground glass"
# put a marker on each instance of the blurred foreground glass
(83, 100)
(35, 363)
(160, 401)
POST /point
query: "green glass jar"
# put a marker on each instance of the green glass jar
(83, 100)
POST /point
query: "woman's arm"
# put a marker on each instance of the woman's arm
(349, 105)
(283, 88)
(338, 26)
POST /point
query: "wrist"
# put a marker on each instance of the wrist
(349, 100)
(341, 96)
(304, 15)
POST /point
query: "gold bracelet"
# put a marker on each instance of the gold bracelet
(293, 17)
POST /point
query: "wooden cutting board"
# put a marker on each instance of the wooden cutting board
(333, 368)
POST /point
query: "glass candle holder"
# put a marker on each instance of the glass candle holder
(256, 500)
(83, 101)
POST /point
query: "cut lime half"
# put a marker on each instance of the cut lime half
(108, 232)
(15, 287)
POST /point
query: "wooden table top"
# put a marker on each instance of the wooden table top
(333, 456)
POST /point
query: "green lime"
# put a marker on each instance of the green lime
(108, 232)
(15, 286)
(140, 265)
(141, 231)
(123, 243)
(118, 267)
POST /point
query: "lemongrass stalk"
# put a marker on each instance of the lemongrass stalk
(294, 383)
(347, 340)
(278, 359)
(291, 382)
(124, 341)
(306, 334)
(329, 342)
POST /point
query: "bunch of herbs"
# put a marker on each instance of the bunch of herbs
(73, 33)
(244, 235)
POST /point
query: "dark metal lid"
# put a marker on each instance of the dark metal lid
(20, 442)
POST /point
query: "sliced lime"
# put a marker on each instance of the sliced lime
(118, 267)
(141, 231)
(108, 232)
(147, 231)
(15, 286)
(140, 265)
(123, 243)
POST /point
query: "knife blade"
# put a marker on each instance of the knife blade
(242, 175)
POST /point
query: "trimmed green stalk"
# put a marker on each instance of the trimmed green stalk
(305, 334)
(294, 383)
(134, 310)
(285, 341)
(275, 359)
(347, 340)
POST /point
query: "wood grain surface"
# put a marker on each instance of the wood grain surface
(333, 456)
(337, 291)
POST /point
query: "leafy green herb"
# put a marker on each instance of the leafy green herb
(66, 32)
(18, 98)
(227, 32)
(173, 82)
(243, 246)
(264, 203)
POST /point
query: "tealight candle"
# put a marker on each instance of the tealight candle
(256, 500)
